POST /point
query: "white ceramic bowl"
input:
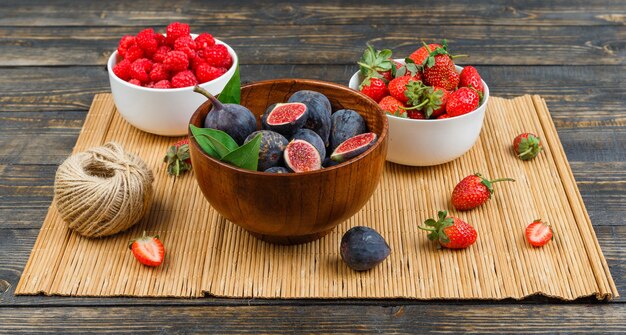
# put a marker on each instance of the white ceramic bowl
(162, 111)
(431, 142)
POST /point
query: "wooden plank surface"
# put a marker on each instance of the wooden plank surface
(52, 56)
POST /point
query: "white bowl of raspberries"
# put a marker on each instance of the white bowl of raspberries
(152, 76)
(435, 108)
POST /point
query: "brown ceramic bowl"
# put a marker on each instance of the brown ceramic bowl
(295, 207)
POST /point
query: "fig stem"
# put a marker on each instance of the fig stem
(216, 103)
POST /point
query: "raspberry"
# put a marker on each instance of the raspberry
(122, 69)
(140, 68)
(160, 54)
(195, 61)
(160, 39)
(204, 40)
(125, 43)
(206, 72)
(184, 79)
(149, 84)
(133, 53)
(187, 45)
(163, 84)
(176, 61)
(159, 72)
(135, 82)
(146, 41)
(218, 56)
(175, 30)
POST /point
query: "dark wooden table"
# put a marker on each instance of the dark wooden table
(52, 62)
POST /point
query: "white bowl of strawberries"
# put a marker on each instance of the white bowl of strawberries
(152, 76)
(435, 108)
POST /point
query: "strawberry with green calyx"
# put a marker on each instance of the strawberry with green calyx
(419, 56)
(177, 158)
(374, 88)
(449, 231)
(377, 63)
(399, 87)
(148, 250)
(410, 68)
(538, 233)
(439, 69)
(437, 98)
(527, 146)
(473, 191)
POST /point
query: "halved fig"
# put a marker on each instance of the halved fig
(285, 118)
(302, 156)
(353, 147)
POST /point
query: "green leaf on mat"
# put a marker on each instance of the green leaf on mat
(231, 94)
(247, 155)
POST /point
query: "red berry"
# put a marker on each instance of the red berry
(125, 43)
(133, 53)
(158, 72)
(443, 116)
(473, 191)
(122, 70)
(538, 233)
(419, 56)
(148, 250)
(163, 84)
(392, 106)
(146, 41)
(160, 39)
(449, 231)
(206, 72)
(415, 114)
(135, 82)
(374, 88)
(462, 101)
(470, 78)
(140, 68)
(218, 56)
(204, 40)
(187, 45)
(527, 146)
(397, 88)
(176, 61)
(442, 73)
(184, 79)
(175, 30)
(161, 53)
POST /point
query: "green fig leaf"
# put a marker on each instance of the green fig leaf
(231, 94)
(247, 155)
(215, 143)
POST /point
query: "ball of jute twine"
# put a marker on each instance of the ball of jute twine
(103, 190)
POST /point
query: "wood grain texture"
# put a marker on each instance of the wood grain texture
(542, 319)
(334, 44)
(326, 12)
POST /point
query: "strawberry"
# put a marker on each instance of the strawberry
(177, 158)
(538, 233)
(415, 114)
(527, 146)
(398, 87)
(377, 63)
(450, 232)
(443, 116)
(419, 56)
(442, 73)
(148, 250)
(374, 88)
(470, 78)
(462, 101)
(392, 106)
(437, 99)
(473, 191)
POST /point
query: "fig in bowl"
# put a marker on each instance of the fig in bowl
(422, 132)
(296, 199)
(152, 76)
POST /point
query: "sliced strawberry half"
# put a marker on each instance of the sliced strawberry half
(148, 250)
(538, 233)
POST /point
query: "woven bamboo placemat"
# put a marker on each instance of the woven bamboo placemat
(208, 255)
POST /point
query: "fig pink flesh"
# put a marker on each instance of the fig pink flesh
(285, 113)
(356, 142)
(301, 156)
